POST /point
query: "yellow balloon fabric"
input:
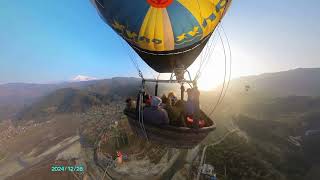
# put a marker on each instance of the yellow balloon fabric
(181, 23)
(165, 33)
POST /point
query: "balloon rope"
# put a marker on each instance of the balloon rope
(140, 110)
(230, 65)
(141, 119)
(133, 59)
(99, 3)
(223, 92)
(142, 123)
(211, 50)
(211, 47)
(203, 59)
(143, 128)
(225, 74)
(140, 116)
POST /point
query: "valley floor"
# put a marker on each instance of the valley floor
(30, 149)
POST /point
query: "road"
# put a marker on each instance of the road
(213, 144)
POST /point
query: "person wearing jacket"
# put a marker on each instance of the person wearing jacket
(155, 114)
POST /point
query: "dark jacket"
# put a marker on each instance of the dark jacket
(190, 107)
(155, 115)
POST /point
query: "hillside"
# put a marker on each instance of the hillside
(299, 82)
(278, 128)
(268, 120)
(14, 97)
(66, 100)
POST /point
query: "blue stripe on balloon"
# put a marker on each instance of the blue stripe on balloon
(183, 22)
(128, 13)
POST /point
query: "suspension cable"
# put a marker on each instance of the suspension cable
(150, 71)
(225, 74)
(203, 56)
(203, 59)
(133, 59)
(230, 65)
(140, 109)
(99, 4)
(207, 55)
(206, 51)
(141, 118)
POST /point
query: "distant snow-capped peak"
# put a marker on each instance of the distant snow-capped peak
(83, 78)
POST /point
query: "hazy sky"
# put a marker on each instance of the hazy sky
(55, 40)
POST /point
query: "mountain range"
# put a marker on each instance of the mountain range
(297, 82)
(15, 97)
(277, 108)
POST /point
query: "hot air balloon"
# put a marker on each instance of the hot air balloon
(168, 35)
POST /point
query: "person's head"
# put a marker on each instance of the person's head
(190, 93)
(164, 99)
(128, 100)
(171, 95)
(172, 98)
(132, 104)
(147, 99)
(155, 101)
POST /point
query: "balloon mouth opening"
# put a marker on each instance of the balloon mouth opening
(160, 3)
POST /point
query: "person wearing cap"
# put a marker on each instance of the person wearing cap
(155, 114)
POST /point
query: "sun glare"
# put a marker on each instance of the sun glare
(213, 72)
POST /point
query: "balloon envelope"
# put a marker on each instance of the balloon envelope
(165, 33)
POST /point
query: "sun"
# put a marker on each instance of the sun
(217, 69)
(212, 74)
(211, 78)
(208, 83)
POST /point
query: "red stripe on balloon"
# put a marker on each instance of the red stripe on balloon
(160, 3)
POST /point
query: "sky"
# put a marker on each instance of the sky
(57, 40)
